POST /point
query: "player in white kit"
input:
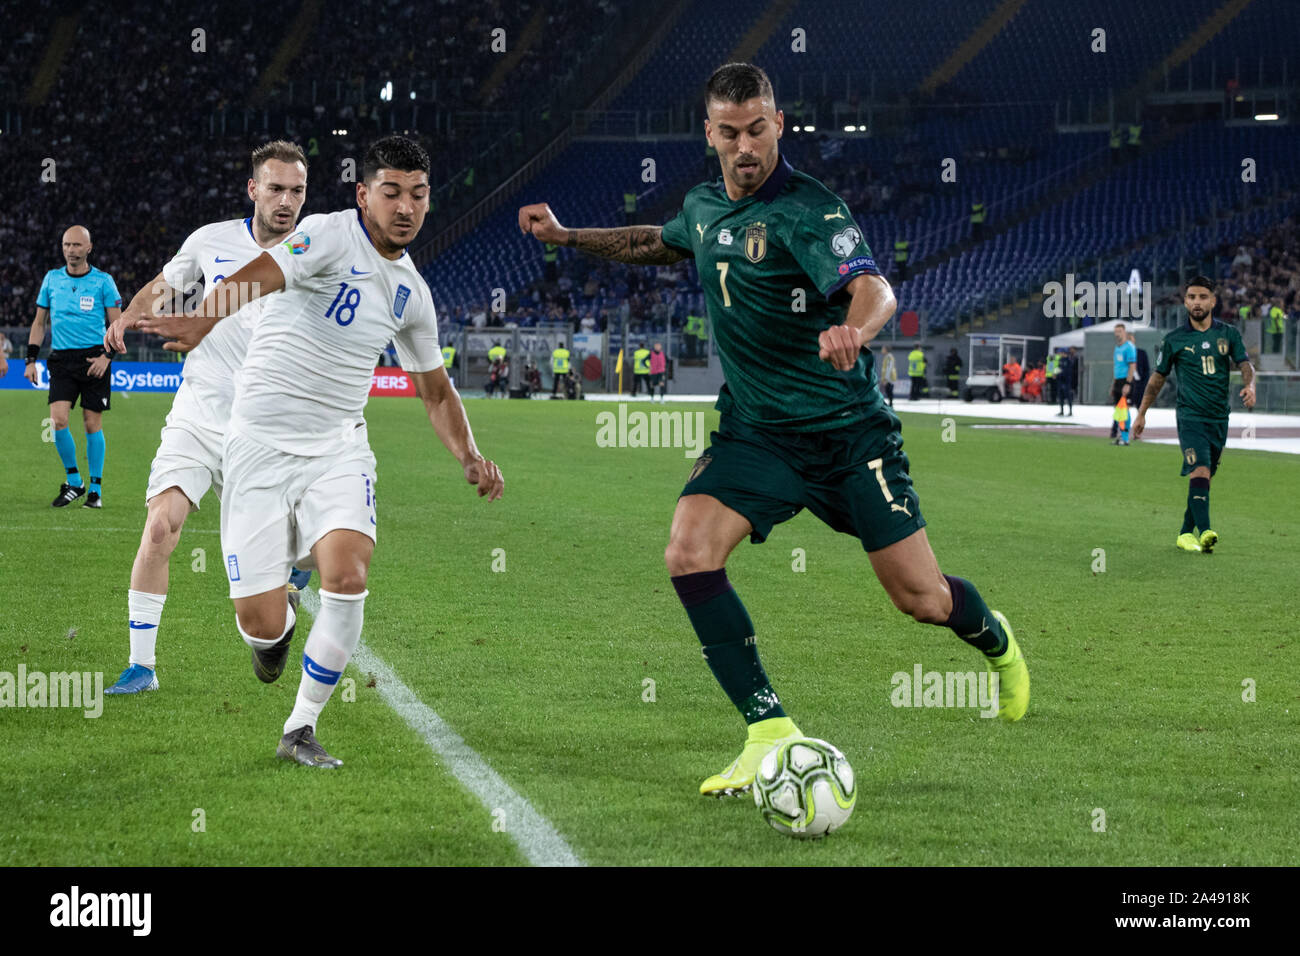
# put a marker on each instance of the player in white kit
(188, 461)
(299, 473)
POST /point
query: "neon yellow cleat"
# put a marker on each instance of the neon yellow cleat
(1187, 542)
(1208, 540)
(1013, 676)
(763, 736)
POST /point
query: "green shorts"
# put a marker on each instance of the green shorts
(1202, 444)
(854, 478)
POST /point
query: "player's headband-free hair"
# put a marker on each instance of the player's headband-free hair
(1203, 281)
(281, 149)
(394, 152)
(738, 82)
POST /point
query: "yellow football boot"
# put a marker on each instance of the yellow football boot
(1013, 676)
(739, 777)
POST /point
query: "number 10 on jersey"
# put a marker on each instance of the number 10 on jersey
(347, 301)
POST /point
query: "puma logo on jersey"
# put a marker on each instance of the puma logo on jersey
(837, 214)
(1188, 348)
(895, 506)
(700, 230)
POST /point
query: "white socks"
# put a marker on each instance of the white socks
(144, 613)
(334, 636)
(260, 643)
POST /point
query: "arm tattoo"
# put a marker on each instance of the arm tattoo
(1247, 373)
(639, 245)
(1154, 385)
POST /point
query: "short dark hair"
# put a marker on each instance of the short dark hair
(738, 82)
(281, 149)
(1203, 281)
(394, 152)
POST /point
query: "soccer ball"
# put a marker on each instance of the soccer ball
(805, 788)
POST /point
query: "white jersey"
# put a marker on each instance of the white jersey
(304, 385)
(211, 253)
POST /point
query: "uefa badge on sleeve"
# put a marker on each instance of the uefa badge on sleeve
(845, 241)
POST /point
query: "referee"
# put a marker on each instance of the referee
(80, 302)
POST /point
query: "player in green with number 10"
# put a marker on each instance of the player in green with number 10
(1202, 352)
(793, 296)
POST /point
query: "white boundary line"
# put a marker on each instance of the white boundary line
(537, 839)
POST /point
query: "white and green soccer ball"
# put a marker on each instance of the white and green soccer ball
(805, 788)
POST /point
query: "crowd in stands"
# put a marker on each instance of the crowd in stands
(148, 141)
(1263, 273)
(147, 133)
(594, 295)
(443, 51)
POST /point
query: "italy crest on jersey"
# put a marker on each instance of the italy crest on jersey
(756, 241)
(1223, 346)
(399, 300)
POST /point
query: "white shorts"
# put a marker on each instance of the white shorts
(188, 458)
(275, 507)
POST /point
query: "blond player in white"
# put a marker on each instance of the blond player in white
(299, 473)
(188, 461)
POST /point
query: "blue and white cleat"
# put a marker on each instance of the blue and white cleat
(299, 579)
(134, 679)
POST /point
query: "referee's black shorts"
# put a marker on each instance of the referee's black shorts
(70, 379)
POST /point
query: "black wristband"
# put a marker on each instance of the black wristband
(33, 351)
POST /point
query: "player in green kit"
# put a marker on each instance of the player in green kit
(1202, 352)
(793, 295)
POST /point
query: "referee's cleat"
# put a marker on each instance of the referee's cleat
(268, 664)
(67, 495)
(739, 777)
(1013, 676)
(301, 745)
(1187, 542)
(1208, 540)
(92, 501)
(133, 680)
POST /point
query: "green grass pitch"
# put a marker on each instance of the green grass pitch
(1138, 670)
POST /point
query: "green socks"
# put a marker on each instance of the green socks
(1198, 503)
(972, 621)
(724, 628)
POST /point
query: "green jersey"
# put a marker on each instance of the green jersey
(1203, 361)
(773, 266)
